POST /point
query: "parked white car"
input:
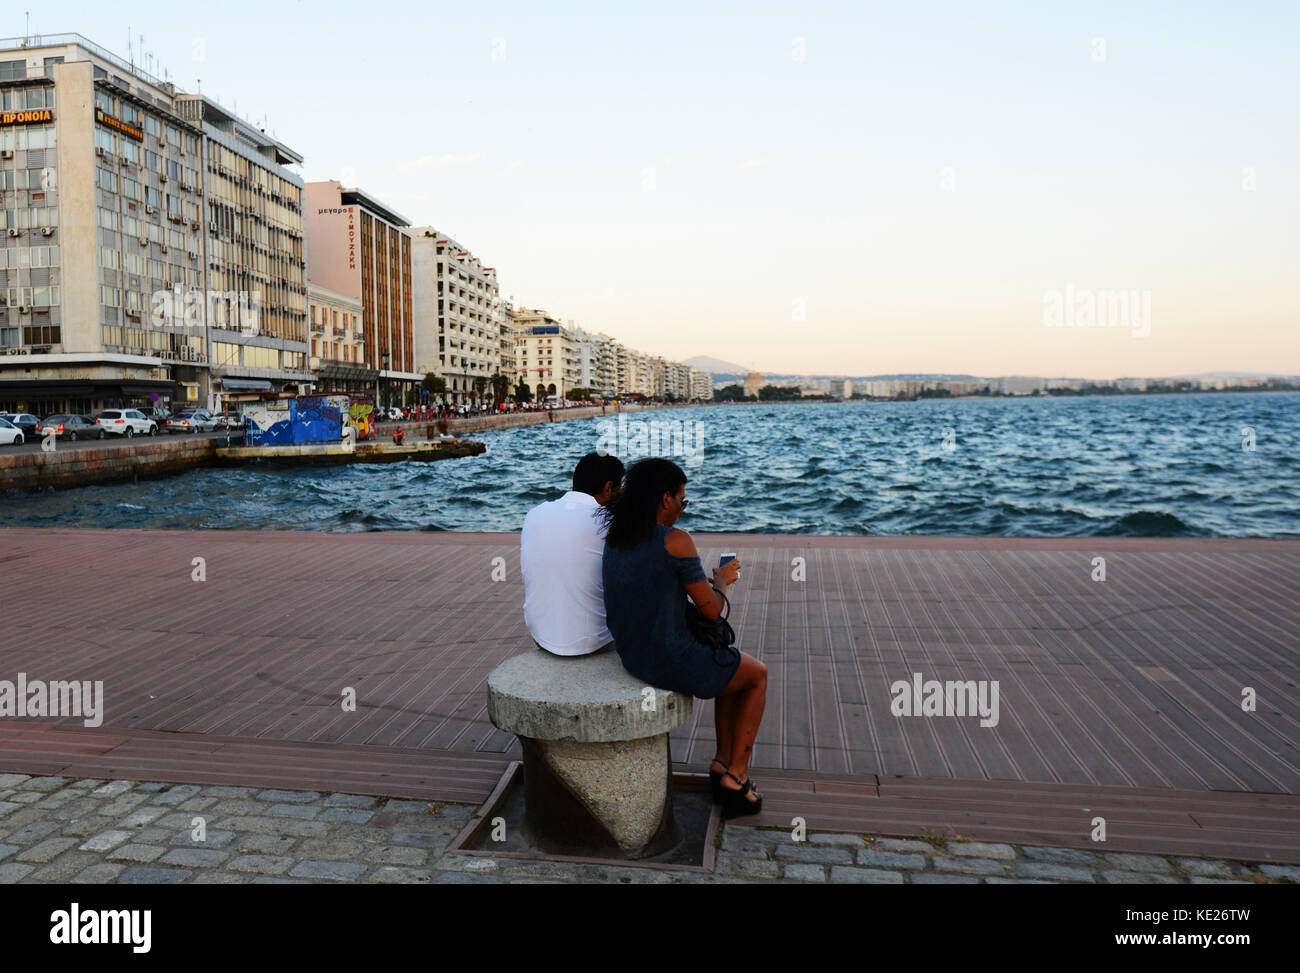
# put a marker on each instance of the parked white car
(126, 422)
(10, 434)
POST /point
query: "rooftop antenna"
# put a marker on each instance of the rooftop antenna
(130, 52)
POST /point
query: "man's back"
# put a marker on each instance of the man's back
(560, 554)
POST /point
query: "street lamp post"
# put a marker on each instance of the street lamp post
(381, 374)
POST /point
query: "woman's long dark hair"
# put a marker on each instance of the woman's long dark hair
(635, 511)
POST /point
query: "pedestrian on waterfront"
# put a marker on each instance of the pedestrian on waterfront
(650, 568)
(561, 553)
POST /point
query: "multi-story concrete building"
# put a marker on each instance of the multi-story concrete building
(254, 245)
(459, 315)
(544, 353)
(1020, 384)
(508, 365)
(338, 342)
(359, 247)
(701, 385)
(150, 237)
(607, 366)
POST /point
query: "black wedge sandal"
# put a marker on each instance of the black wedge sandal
(715, 782)
(735, 804)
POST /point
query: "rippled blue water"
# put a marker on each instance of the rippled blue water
(1160, 465)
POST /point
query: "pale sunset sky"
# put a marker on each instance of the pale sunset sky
(826, 188)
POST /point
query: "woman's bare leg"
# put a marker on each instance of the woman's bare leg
(724, 720)
(747, 693)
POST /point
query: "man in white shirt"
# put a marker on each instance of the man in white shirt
(561, 551)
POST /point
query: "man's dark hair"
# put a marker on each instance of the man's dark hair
(594, 471)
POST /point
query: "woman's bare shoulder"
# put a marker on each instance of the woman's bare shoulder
(678, 543)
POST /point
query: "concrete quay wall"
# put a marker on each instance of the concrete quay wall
(73, 466)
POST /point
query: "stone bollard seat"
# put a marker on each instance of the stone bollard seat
(597, 766)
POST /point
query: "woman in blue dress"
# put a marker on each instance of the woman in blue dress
(649, 568)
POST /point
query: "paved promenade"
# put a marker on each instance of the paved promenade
(1119, 699)
(53, 829)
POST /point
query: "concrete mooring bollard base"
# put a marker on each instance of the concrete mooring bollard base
(597, 765)
(607, 798)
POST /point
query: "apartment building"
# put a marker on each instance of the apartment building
(507, 366)
(546, 354)
(141, 224)
(701, 383)
(254, 255)
(338, 342)
(459, 316)
(361, 248)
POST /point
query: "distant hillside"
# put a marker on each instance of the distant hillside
(715, 365)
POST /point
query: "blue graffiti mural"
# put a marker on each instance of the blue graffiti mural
(308, 419)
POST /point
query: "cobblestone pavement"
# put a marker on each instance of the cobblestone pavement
(55, 829)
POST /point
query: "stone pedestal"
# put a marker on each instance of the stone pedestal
(597, 766)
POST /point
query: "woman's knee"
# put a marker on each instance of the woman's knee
(753, 672)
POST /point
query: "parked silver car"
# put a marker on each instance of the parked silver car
(73, 427)
(192, 420)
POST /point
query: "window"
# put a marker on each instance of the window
(49, 65)
(13, 69)
(104, 101)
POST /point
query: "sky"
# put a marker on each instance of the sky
(817, 188)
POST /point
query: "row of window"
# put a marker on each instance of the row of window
(24, 99)
(133, 226)
(33, 216)
(37, 335)
(147, 339)
(38, 179)
(29, 297)
(130, 150)
(27, 137)
(17, 258)
(110, 181)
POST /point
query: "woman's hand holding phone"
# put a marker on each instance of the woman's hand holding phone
(727, 571)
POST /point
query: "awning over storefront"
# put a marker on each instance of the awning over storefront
(246, 384)
(82, 388)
